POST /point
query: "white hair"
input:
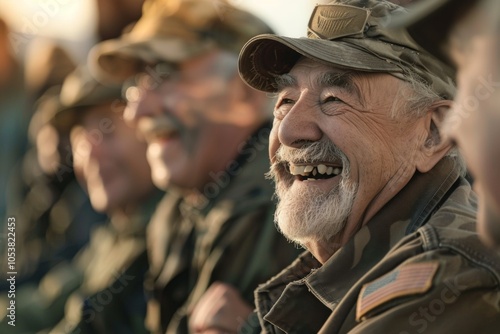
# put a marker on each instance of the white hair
(415, 98)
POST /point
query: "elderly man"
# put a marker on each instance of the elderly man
(366, 183)
(207, 135)
(465, 34)
(101, 289)
(110, 165)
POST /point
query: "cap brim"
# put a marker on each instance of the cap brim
(114, 61)
(265, 57)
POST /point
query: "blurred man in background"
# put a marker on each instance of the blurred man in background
(207, 135)
(111, 165)
(466, 34)
(54, 214)
(101, 289)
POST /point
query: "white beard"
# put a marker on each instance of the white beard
(309, 215)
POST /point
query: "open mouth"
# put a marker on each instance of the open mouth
(158, 129)
(161, 135)
(312, 172)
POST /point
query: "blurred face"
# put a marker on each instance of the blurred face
(338, 156)
(474, 47)
(184, 115)
(109, 160)
(47, 142)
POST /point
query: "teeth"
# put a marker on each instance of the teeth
(311, 170)
(297, 170)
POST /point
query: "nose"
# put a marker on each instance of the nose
(88, 146)
(96, 143)
(300, 125)
(143, 103)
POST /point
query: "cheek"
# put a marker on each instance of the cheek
(274, 143)
(371, 150)
(466, 80)
(137, 160)
(81, 154)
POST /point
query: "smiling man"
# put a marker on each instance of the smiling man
(207, 132)
(100, 289)
(367, 184)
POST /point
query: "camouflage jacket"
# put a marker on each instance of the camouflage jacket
(416, 266)
(110, 296)
(229, 238)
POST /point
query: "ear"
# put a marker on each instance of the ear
(434, 147)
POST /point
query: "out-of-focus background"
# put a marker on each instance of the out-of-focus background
(41, 43)
(42, 40)
(72, 22)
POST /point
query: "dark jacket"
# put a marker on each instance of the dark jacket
(229, 238)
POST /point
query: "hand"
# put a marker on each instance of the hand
(220, 310)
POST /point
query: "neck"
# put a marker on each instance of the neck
(324, 249)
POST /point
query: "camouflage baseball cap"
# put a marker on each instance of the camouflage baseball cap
(350, 34)
(174, 30)
(429, 22)
(60, 106)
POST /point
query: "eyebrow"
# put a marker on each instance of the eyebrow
(343, 80)
(284, 81)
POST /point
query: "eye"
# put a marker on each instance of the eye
(285, 101)
(332, 106)
(282, 107)
(332, 99)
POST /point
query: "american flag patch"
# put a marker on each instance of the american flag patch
(406, 280)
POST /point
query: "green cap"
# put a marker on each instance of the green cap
(350, 34)
(61, 105)
(173, 31)
(429, 22)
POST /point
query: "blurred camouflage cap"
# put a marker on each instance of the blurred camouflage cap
(350, 34)
(429, 22)
(174, 30)
(60, 106)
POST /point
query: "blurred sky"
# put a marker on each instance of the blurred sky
(286, 17)
(71, 22)
(67, 21)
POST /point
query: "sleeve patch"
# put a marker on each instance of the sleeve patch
(413, 278)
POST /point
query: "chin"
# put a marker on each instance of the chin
(161, 177)
(100, 204)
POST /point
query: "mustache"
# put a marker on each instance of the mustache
(323, 150)
(162, 125)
